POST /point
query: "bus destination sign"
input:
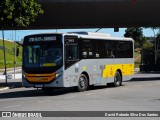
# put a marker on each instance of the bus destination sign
(42, 38)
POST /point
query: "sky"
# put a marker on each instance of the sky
(19, 34)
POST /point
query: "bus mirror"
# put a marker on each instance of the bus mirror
(84, 53)
(17, 52)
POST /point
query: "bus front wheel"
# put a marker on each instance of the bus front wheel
(82, 83)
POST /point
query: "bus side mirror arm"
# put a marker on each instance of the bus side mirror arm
(17, 52)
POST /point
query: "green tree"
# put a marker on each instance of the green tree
(156, 35)
(19, 12)
(158, 41)
(148, 45)
(136, 34)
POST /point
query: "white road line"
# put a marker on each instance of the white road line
(90, 94)
(12, 106)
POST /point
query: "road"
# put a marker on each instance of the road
(139, 94)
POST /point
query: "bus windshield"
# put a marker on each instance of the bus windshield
(43, 55)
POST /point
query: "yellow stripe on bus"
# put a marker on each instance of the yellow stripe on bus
(110, 70)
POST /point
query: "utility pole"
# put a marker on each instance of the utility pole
(4, 50)
(15, 56)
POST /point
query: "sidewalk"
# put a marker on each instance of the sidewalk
(136, 70)
(11, 76)
(12, 82)
(11, 70)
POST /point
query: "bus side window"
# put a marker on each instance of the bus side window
(87, 49)
(99, 49)
(109, 49)
(121, 49)
(129, 49)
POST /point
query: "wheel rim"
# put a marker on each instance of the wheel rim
(117, 79)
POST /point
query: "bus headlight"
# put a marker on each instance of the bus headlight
(24, 76)
(57, 75)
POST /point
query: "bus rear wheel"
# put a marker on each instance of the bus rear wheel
(117, 79)
(82, 83)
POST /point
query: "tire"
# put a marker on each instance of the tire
(82, 83)
(47, 90)
(117, 79)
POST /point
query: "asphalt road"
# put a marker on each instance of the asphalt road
(139, 94)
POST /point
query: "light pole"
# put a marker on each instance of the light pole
(4, 49)
(15, 56)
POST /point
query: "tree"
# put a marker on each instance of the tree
(136, 34)
(148, 45)
(19, 12)
(156, 36)
(156, 40)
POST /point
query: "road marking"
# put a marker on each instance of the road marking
(90, 94)
(12, 106)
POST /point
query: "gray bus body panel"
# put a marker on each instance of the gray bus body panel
(93, 67)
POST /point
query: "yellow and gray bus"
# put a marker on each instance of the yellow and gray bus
(79, 59)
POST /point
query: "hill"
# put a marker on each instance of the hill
(9, 46)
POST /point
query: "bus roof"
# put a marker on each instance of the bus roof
(91, 34)
(94, 35)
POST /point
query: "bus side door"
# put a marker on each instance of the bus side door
(71, 58)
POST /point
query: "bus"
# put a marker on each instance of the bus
(76, 59)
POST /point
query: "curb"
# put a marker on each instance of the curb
(5, 88)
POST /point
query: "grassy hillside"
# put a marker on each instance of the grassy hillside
(9, 46)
